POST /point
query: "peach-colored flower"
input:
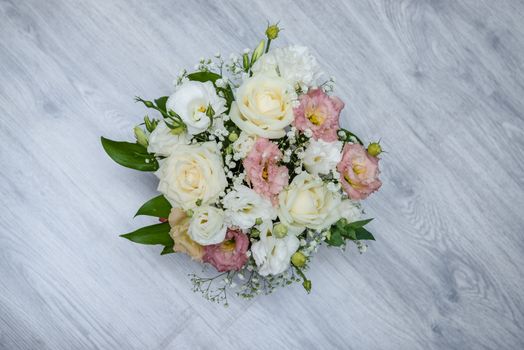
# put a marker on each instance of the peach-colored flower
(230, 254)
(263, 172)
(318, 112)
(179, 223)
(358, 172)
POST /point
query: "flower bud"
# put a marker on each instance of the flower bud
(280, 230)
(258, 221)
(140, 136)
(245, 62)
(258, 52)
(307, 285)
(272, 31)
(374, 149)
(254, 233)
(189, 213)
(298, 259)
(150, 124)
(233, 137)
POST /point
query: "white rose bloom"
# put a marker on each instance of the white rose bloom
(307, 202)
(243, 145)
(191, 100)
(263, 106)
(293, 63)
(207, 226)
(320, 157)
(349, 210)
(162, 141)
(244, 206)
(273, 255)
(192, 173)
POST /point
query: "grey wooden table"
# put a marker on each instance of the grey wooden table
(440, 81)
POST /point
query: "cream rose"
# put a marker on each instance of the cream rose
(307, 202)
(263, 106)
(207, 225)
(191, 174)
(162, 141)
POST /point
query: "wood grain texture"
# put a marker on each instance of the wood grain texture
(440, 81)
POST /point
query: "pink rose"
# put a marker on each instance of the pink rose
(319, 112)
(230, 254)
(263, 172)
(358, 172)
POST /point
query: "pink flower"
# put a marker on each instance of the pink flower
(263, 172)
(358, 172)
(230, 254)
(319, 112)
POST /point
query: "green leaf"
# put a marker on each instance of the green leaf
(158, 207)
(167, 250)
(204, 76)
(335, 238)
(161, 103)
(360, 223)
(154, 234)
(130, 155)
(363, 234)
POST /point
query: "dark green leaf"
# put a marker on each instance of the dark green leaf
(349, 233)
(360, 223)
(161, 103)
(363, 234)
(154, 234)
(167, 250)
(204, 76)
(158, 207)
(335, 239)
(130, 155)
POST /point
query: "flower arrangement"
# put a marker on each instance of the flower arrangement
(255, 172)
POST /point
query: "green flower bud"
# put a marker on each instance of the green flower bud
(140, 136)
(254, 233)
(298, 259)
(150, 124)
(258, 221)
(272, 31)
(258, 52)
(307, 285)
(189, 213)
(374, 149)
(245, 62)
(149, 104)
(233, 137)
(280, 230)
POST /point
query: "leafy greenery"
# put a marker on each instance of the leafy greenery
(204, 76)
(159, 104)
(154, 234)
(342, 230)
(158, 207)
(130, 155)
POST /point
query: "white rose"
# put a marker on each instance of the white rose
(349, 210)
(293, 63)
(244, 206)
(263, 106)
(162, 141)
(192, 173)
(207, 226)
(272, 255)
(307, 202)
(243, 145)
(320, 157)
(191, 100)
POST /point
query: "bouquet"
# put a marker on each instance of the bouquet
(255, 172)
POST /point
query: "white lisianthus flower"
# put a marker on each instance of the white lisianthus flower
(162, 141)
(243, 145)
(349, 210)
(191, 174)
(263, 106)
(273, 255)
(293, 63)
(191, 100)
(244, 206)
(207, 225)
(320, 157)
(307, 202)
